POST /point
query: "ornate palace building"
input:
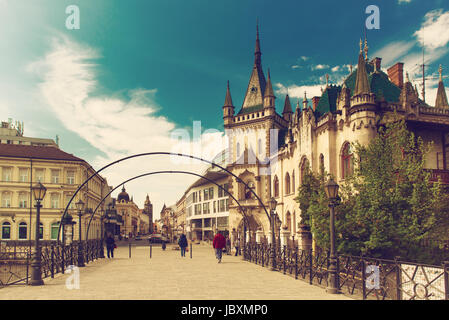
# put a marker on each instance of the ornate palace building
(269, 151)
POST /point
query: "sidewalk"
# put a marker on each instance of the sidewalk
(168, 276)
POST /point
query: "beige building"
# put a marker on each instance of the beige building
(12, 133)
(135, 221)
(21, 167)
(180, 216)
(269, 151)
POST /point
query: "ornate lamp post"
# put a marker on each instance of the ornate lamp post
(36, 274)
(80, 207)
(102, 217)
(272, 204)
(332, 193)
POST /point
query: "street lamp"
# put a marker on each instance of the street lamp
(331, 189)
(272, 204)
(102, 216)
(80, 207)
(36, 274)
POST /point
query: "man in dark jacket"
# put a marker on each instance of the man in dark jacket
(110, 245)
(219, 243)
(183, 244)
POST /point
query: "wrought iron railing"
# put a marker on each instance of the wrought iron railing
(15, 259)
(358, 277)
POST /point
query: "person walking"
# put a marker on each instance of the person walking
(228, 245)
(182, 242)
(219, 243)
(235, 241)
(110, 246)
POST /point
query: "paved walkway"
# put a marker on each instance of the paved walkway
(168, 276)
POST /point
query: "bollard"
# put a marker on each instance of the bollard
(190, 250)
(130, 250)
(151, 249)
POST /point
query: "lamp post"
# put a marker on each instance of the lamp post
(36, 274)
(332, 193)
(102, 216)
(272, 205)
(80, 207)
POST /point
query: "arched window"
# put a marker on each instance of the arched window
(248, 193)
(293, 181)
(276, 186)
(287, 183)
(347, 160)
(304, 167)
(6, 231)
(288, 221)
(54, 230)
(321, 163)
(23, 231)
(238, 151)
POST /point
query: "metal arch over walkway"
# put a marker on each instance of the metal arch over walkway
(152, 154)
(242, 210)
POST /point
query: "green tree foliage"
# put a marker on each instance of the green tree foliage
(387, 206)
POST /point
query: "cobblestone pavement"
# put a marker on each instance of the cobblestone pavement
(168, 276)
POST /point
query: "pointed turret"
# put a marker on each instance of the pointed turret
(408, 93)
(441, 101)
(228, 108)
(254, 97)
(305, 102)
(269, 94)
(361, 84)
(287, 112)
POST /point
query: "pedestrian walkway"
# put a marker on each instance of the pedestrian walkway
(168, 276)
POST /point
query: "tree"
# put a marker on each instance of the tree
(387, 206)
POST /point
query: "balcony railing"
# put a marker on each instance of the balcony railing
(442, 174)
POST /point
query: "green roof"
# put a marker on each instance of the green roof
(252, 109)
(328, 100)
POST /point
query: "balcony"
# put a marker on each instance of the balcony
(439, 174)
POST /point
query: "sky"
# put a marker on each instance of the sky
(138, 74)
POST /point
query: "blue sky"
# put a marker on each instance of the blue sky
(137, 70)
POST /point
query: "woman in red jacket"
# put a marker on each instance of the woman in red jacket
(219, 243)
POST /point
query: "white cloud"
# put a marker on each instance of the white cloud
(404, 1)
(295, 91)
(296, 66)
(320, 67)
(118, 127)
(434, 32)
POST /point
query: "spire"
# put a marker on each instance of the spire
(257, 52)
(228, 99)
(305, 102)
(441, 101)
(269, 88)
(287, 105)
(361, 84)
(366, 47)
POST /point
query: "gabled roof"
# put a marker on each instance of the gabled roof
(36, 152)
(328, 100)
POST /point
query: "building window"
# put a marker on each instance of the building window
(221, 205)
(39, 175)
(287, 183)
(215, 206)
(206, 194)
(321, 163)
(70, 177)
(23, 175)
(276, 186)
(55, 201)
(6, 200)
(41, 231)
(304, 167)
(23, 231)
(206, 208)
(67, 199)
(248, 193)
(293, 181)
(6, 174)
(211, 193)
(55, 176)
(238, 150)
(446, 151)
(54, 230)
(347, 161)
(23, 200)
(6, 231)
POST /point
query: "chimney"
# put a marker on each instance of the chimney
(315, 101)
(396, 74)
(376, 62)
